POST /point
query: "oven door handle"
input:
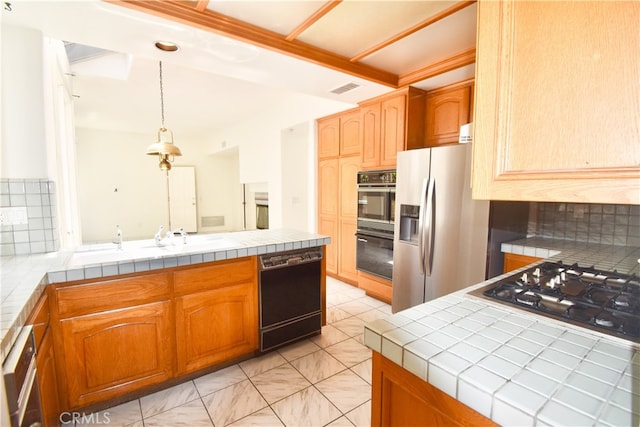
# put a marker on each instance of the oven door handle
(363, 235)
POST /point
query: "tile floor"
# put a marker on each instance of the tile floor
(321, 381)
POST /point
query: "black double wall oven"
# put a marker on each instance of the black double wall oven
(376, 206)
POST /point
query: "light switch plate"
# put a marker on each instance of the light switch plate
(13, 216)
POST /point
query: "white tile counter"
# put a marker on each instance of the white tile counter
(24, 278)
(516, 367)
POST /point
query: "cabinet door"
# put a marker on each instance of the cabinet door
(328, 137)
(393, 123)
(112, 353)
(350, 133)
(370, 139)
(328, 226)
(48, 382)
(216, 325)
(446, 112)
(557, 102)
(399, 398)
(328, 186)
(348, 177)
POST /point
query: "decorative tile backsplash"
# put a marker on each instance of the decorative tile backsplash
(29, 224)
(582, 222)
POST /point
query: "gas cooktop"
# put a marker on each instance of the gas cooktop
(604, 301)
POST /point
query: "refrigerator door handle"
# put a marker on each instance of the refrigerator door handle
(430, 220)
(421, 216)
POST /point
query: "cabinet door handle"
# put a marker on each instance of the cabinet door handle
(360, 239)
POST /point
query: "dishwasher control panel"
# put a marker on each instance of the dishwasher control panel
(298, 256)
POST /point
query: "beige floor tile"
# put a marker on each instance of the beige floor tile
(306, 408)
(364, 370)
(117, 416)
(280, 382)
(167, 399)
(318, 366)
(220, 379)
(264, 417)
(192, 414)
(334, 314)
(299, 349)
(330, 335)
(351, 326)
(349, 352)
(354, 307)
(233, 403)
(258, 365)
(345, 390)
(340, 422)
(361, 416)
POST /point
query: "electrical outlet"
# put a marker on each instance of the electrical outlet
(13, 216)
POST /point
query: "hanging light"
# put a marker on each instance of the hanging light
(164, 148)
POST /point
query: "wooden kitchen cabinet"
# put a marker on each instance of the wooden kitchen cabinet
(515, 261)
(328, 189)
(112, 337)
(391, 123)
(48, 382)
(447, 109)
(337, 190)
(557, 102)
(216, 313)
(399, 398)
(45, 362)
(339, 135)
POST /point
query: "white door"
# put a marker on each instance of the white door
(182, 199)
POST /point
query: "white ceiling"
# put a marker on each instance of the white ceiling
(214, 81)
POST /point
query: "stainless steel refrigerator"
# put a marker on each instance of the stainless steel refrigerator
(440, 236)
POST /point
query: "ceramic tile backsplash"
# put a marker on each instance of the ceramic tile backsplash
(40, 234)
(594, 223)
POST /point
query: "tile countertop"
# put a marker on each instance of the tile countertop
(24, 278)
(516, 367)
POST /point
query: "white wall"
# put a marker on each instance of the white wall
(110, 161)
(296, 177)
(24, 150)
(259, 141)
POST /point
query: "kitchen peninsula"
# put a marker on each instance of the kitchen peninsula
(159, 300)
(462, 359)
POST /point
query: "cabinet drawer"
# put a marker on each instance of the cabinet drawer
(216, 275)
(111, 294)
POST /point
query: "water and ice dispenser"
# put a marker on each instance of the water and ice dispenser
(409, 218)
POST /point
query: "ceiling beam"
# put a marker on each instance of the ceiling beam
(460, 59)
(326, 8)
(419, 26)
(221, 24)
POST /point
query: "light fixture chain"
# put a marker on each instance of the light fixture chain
(161, 95)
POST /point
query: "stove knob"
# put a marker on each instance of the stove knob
(524, 277)
(563, 276)
(536, 272)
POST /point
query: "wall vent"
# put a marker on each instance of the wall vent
(212, 221)
(345, 88)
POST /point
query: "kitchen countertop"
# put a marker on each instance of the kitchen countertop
(24, 278)
(516, 367)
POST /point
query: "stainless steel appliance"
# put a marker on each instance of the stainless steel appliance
(600, 300)
(20, 381)
(289, 292)
(376, 215)
(440, 242)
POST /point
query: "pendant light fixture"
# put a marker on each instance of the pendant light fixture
(164, 148)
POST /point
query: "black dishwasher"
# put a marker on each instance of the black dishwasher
(289, 291)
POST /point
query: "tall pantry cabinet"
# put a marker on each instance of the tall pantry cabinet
(338, 165)
(557, 102)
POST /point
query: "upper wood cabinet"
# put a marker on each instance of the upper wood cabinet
(339, 135)
(391, 123)
(557, 102)
(447, 109)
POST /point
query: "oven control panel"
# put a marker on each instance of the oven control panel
(283, 259)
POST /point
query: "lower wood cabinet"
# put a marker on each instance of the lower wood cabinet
(48, 382)
(515, 261)
(109, 354)
(220, 322)
(376, 287)
(399, 398)
(121, 335)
